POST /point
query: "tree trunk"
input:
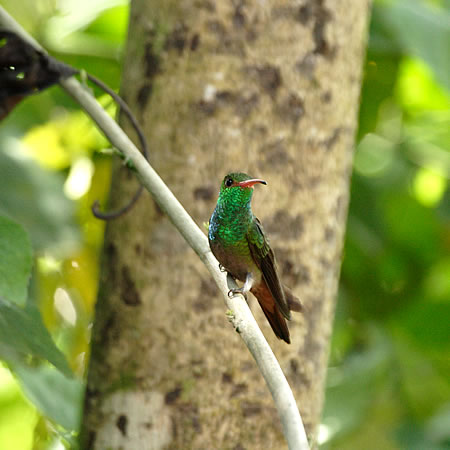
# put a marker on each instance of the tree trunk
(269, 88)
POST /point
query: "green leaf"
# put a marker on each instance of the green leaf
(411, 226)
(437, 427)
(15, 261)
(352, 385)
(56, 396)
(17, 416)
(418, 92)
(110, 25)
(426, 323)
(424, 387)
(22, 333)
(424, 31)
(35, 198)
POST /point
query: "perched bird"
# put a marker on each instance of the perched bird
(238, 241)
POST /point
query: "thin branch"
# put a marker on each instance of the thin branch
(20, 56)
(95, 208)
(240, 316)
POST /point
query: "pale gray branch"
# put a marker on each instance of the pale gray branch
(240, 316)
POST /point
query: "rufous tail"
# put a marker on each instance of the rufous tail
(271, 311)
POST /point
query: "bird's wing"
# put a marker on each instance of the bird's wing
(265, 259)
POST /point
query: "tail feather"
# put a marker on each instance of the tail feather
(293, 302)
(270, 309)
(278, 324)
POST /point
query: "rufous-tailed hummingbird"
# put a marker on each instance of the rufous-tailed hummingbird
(238, 241)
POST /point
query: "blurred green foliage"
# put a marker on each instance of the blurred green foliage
(15, 266)
(388, 384)
(53, 168)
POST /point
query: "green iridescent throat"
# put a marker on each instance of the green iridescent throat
(232, 216)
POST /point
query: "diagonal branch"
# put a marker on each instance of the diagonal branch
(241, 316)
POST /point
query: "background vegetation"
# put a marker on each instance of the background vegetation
(388, 384)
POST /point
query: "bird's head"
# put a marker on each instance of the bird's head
(237, 189)
(239, 180)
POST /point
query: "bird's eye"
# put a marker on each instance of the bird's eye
(228, 182)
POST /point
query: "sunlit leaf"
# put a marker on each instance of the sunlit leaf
(111, 24)
(56, 396)
(417, 90)
(429, 186)
(79, 179)
(90, 30)
(60, 142)
(15, 261)
(17, 416)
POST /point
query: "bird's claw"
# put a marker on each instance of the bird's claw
(233, 292)
(221, 268)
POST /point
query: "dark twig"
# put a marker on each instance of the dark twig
(26, 69)
(128, 113)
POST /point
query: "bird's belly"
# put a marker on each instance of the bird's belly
(237, 260)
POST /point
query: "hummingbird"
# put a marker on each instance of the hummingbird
(238, 241)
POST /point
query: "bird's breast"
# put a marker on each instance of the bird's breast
(233, 255)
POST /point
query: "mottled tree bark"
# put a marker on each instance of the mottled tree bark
(270, 88)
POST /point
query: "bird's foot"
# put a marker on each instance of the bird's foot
(221, 268)
(233, 292)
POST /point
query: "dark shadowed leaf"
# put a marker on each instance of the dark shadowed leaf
(23, 333)
(424, 387)
(352, 386)
(34, 197)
